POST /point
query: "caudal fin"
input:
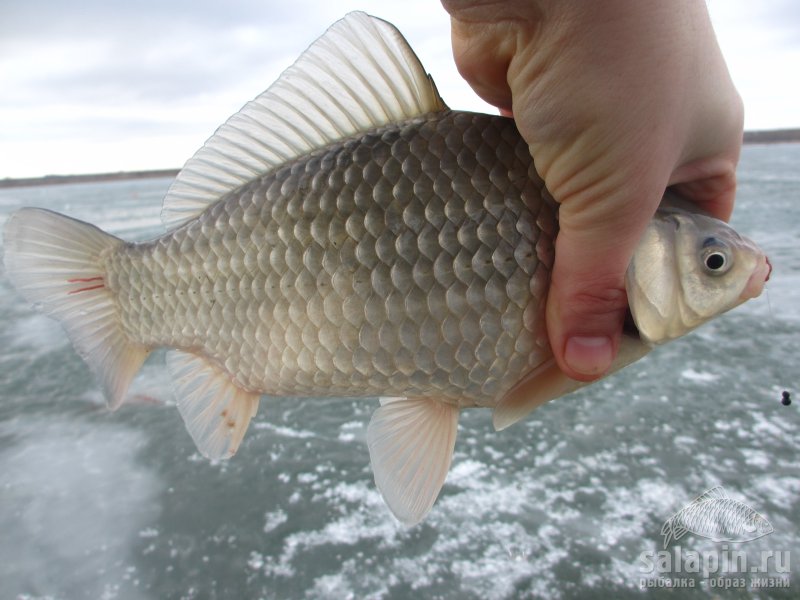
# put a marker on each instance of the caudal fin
(55, 262)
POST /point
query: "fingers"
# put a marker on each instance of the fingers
(587, 303)
(482, 54)
(486, 35)
(712, 188)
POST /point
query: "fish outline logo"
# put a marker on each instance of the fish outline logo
(718, 517)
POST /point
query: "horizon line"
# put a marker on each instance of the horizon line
(751, 137)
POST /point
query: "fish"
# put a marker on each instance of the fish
(717, 516)
(347, 234)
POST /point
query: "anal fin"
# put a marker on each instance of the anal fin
(215, 410)
(411, 442)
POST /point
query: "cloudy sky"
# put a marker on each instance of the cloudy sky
(109, 85)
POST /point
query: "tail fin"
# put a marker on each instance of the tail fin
(55, 262)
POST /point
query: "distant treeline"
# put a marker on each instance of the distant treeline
(772, 136)
(768, 136)
(88, 178)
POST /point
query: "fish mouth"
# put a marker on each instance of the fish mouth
(759, 276)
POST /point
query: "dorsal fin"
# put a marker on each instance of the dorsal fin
(359, 75)
(716, 493)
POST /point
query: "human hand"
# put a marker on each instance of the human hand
(617, 100)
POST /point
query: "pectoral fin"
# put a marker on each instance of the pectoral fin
(411, 443)
(547, 382)
(678, 531)
(542, 384)
(216, 411)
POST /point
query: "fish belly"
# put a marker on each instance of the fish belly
(410, 261)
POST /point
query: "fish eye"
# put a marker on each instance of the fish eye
(715, 261)
(715, 256)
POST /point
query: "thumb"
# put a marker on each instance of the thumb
(587, 302)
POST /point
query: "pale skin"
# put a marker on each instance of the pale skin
(617, 100)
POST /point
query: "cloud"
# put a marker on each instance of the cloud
(761, 44)
(91, 85)
(776, 23)
(156, 51)
(101, 77)
(136, 55)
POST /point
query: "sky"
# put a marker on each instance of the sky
(109, 85)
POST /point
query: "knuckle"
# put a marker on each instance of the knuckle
(605, 301)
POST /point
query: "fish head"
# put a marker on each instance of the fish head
(758, 526)
(688, 268)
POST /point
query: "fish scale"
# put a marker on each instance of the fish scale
(330, 276)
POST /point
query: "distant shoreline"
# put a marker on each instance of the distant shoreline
(87, 178)
(772, 136)
(769, 136)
